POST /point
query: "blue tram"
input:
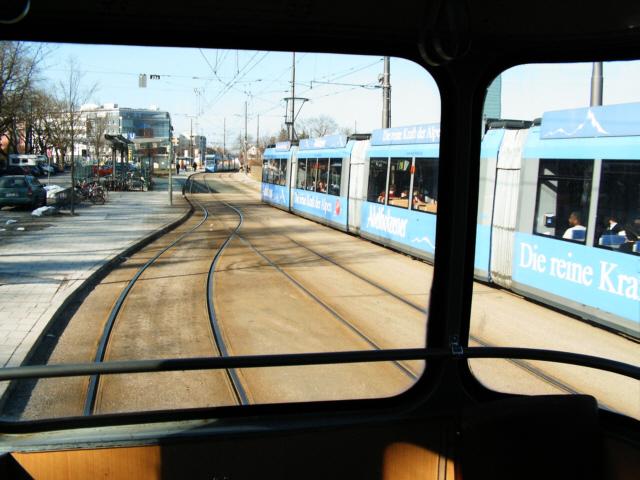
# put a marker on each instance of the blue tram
(558, 210)
(216, 163)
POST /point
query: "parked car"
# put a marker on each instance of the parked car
(22, 190)
(105, 170)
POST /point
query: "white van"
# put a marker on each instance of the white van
(23, 159)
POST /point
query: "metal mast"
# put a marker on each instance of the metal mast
(596, 84)
(386, 95)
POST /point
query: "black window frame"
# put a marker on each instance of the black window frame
(564, 177)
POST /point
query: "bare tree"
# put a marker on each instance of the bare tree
(96, 128)
(18, 69)
(72, 95)
(317, 127)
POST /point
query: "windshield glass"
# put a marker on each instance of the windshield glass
(216, 191)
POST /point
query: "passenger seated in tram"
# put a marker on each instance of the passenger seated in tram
(631, 238)
(614, 235)
(576, 230)
(424, 202)
(322, 188)
(383, 194)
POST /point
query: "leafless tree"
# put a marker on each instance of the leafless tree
(96, 128)
(317, 127)
(72, 95)
(18, 70)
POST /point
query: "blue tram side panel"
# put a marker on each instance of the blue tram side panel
(401, 227)
(274, 188)
(308, 198)
(598, 283)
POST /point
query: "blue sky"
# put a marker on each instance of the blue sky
(205, 86)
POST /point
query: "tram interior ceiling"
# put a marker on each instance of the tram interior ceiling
(447, 424)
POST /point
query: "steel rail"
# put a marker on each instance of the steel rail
(238, 390)
(92, 388)
(323, 358)
(323, 304)
(531, 369)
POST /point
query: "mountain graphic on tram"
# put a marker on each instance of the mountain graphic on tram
(550, 196)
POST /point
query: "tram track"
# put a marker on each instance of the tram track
(92, 389)
(233, 383)
(328, 308)
(526, 366)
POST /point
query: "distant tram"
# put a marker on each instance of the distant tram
(215, 163)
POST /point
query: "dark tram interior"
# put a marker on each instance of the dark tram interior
(447, 425)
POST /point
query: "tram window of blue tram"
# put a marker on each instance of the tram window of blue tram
(283, 171)
(312, 168)
(377, 187)
(564, 189)
(425, 185)
(270, 172)
(335, 176)
(276, 172)
(322, 176)
(301, 179)
(265, 171)
(399, 181)
(618, 218)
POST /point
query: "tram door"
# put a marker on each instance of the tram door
(505, 210)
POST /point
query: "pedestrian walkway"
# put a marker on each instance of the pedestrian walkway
(46, 261)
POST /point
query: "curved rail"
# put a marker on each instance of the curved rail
(323, 304)
(238, 390)
(521, 363)
(92, 388)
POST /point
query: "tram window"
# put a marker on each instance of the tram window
(564, 188)
(276, 171)
(618, 219)
(399, 181)
(283, 171)
(302, 174)
(312, 167)
(322, 175)
(571, 292)
(265, 171)
(272, 171)
(376, 191)
(425, 185)
(335, 176)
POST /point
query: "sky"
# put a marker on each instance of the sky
(205, 89)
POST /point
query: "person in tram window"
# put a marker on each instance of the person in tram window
(576, 230)
(613, 227)
(392, 191)
(632, 237)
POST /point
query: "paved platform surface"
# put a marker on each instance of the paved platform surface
(44, 260)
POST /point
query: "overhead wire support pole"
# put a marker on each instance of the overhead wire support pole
(596, 84)
(246, 160)
(386, 94)
(169, 151)
(292, 131)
